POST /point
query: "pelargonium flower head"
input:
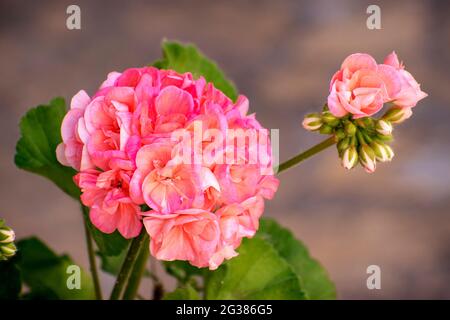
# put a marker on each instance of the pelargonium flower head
(165, 140)
(358, 91)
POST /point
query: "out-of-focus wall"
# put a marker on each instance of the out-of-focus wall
(281, 54)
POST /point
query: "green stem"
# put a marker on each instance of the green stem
(136, 274)
(306, 154)
(128, 264)
(92, 262)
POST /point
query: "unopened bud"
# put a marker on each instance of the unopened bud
(382, 151)
(330, 119)
(7, 251)
(367, 158)
(390, 152)
(312, 122)
(343, 145)
(326, 129)
(383, 127)
(350, 129)
(350, 158)
(340, 134)
(397, 115)
(6, 235)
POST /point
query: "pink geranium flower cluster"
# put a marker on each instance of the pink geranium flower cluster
(362, 86)
(123, 141)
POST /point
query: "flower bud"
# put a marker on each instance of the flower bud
(390, 152)
(367, 158)
(382, 151)
(7, 251)
(397, 115)
(340, 134)
(350, 158)
(343, 145)
(384, 127)
(312, 122)
(7, 236)
(350, 129)
(330, 119)
(326, 129)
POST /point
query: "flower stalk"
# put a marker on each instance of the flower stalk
(292, 162)
(92, 262)
(128, 265)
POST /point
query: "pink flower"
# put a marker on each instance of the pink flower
(111, 208)
(361, 86)
(125, 144)
(410, 92)
(73, 151)
(191, 235)
(237, 221)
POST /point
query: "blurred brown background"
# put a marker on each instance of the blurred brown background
(281, 54)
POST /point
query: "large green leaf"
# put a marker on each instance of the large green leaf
(40, 135)
(10, 281)
(187, 58)
(313, 277)
(259, 272)
(46, 274)
(182, 270)
(183, 293)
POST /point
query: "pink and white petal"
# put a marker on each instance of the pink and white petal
(359, 61)
(104, 221)
(173, 100)
(129, 224)
(80, 100)
(391, 79)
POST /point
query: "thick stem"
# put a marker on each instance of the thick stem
(306, 154)
(92, 262)
(128, 264)
(137, 273)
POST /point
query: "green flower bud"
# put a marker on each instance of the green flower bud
(397, 115)
(330, 119)
(326, 129)
(350, 129)
(7, 237)
(384, 127)
(7, 251)
(382, 151)
(390, 152)
(350, 158)
(367, 158)
(343, 145)
(312, 122)
(340, 134)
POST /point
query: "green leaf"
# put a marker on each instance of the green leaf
(108, 244)
(10, 281)
(313, 277)
(112, 264)
(46, 273)
(187, 58)
(259, 272)
(183, 293)
(182, 270)
(40, 135)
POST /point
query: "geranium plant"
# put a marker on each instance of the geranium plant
(166, 160)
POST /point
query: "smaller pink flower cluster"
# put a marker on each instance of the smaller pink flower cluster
(362, 86)
(121, 141)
